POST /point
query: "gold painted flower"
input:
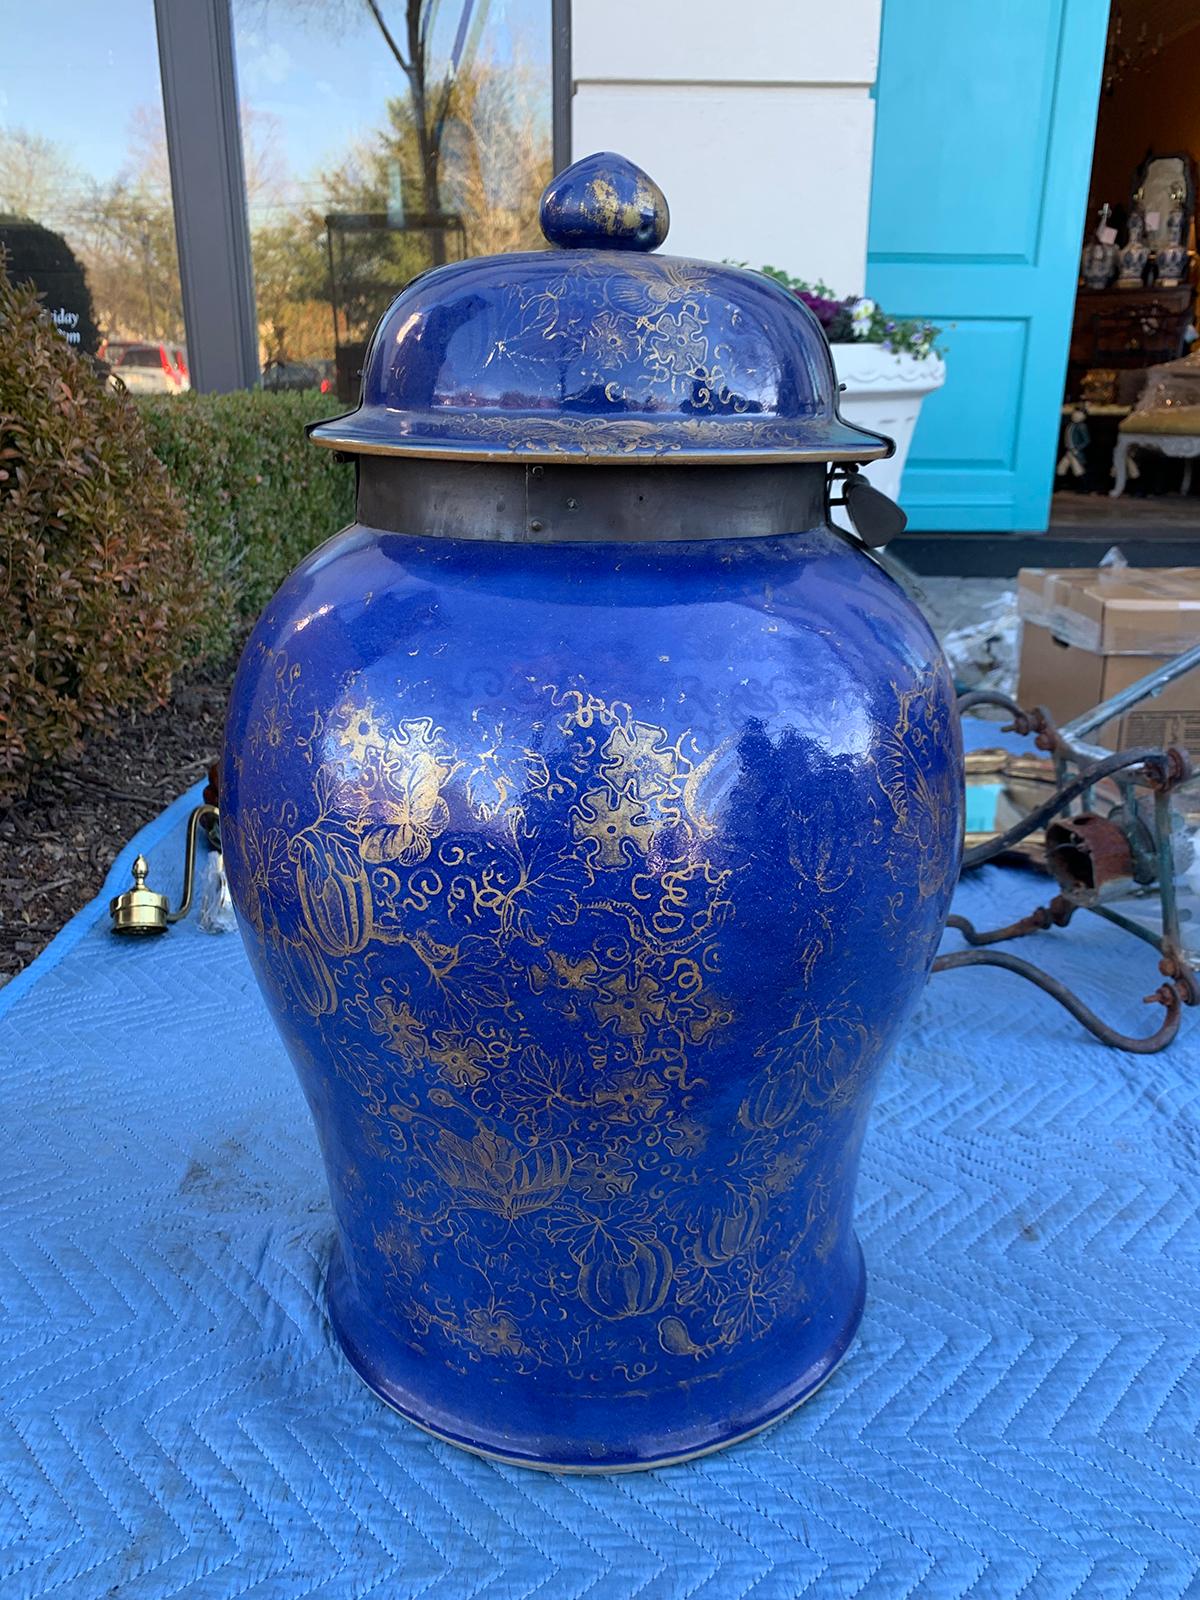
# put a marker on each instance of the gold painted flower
(702, 1016)
(783, 1174)
(460, 1060)
(615, 831)
(399, 1027)
(634, 1096)
(610, 341)
(273, 728)
(360, 731)
(495, 1332)
(677, 348)
(602, 1175)
(567, 976)
(638, 759)
(633, 1007)
(686, 1137)
(402, 1250)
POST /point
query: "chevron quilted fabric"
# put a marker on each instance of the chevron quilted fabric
(1018, 1416)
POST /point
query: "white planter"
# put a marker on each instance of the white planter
(883, 391)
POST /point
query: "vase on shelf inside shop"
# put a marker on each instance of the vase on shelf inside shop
(1098, 264)
(1135, 253)
(591, 810)
(1173, 258)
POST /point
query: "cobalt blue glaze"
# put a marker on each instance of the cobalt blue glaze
(597, 350)
(604, 199)
(588, 885)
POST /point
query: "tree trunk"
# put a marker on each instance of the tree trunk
(427, 149)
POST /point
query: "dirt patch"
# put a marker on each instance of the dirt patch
(57, 844)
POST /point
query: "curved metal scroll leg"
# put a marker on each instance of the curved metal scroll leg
(987, 697)
(1058, 801)
(1166, 995)
(1056, 915)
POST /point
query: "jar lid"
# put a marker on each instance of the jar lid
(599, 351)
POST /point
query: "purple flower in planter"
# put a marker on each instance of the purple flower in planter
(824, 310)
(858, 317)
(833, 315)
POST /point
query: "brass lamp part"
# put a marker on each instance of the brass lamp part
(140, 910)
(1021, 780)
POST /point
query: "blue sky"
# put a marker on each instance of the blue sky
(76, 71)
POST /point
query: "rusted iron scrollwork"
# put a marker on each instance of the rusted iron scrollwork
(1092, 856)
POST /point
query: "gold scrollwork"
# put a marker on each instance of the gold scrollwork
(427, 899)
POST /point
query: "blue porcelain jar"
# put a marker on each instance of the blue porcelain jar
(591, 809)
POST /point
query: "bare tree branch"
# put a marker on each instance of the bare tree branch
(373, 6)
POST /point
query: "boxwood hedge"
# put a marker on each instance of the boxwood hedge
(135, 535)
(257, 495)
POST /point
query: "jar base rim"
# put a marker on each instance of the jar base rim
(809, 1383)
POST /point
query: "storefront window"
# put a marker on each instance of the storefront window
(85, 189)
(381, 137)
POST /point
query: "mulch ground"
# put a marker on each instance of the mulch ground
(57, 844)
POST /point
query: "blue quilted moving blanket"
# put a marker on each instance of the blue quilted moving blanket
(1018, 1416)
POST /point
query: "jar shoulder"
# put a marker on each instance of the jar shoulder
(367, 597)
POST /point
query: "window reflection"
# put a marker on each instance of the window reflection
(85, 189)
(382, 137)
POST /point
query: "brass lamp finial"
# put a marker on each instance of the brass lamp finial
(141, 910)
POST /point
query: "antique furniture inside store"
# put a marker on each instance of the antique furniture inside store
(1134, 312)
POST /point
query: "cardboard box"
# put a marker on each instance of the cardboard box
(1086, 634)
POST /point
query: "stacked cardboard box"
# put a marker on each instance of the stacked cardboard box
(1086, 634)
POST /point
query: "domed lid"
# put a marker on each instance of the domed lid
(596, 350)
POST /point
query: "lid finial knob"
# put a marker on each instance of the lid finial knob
(604, 202)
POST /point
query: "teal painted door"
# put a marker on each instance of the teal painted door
(985, 119)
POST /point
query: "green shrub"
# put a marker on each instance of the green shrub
(98, 582)
(258, 495)
(135, 535)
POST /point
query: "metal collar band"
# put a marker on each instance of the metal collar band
(532, 503)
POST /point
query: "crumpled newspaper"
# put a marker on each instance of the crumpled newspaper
(983, 654)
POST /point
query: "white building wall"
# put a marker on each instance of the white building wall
(755, 119)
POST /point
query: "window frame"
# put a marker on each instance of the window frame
(208, 181)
